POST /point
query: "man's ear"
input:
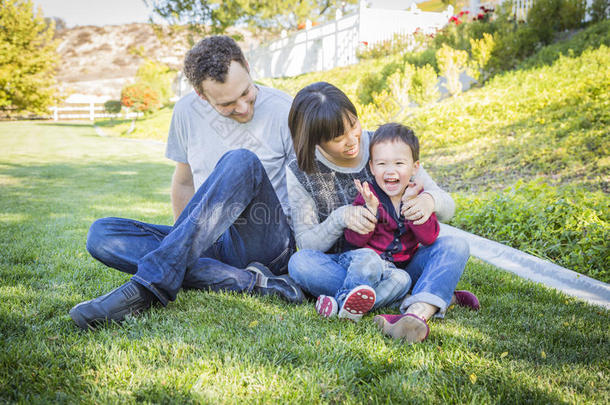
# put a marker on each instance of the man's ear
(201, 95)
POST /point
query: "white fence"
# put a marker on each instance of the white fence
(86, 111)
(335, 43)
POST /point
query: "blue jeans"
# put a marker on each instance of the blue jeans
(337, 274)
(234, 218)
(434, 273)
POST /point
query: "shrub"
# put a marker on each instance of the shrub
(424, 90)
(511, 47)
(599, 11)
(422, 58)
(157, 76)
(112, 106)
(550, 16)
(481, 50)
(397, 45)
(567, 225)
(400, 84)
(452, 63)
(593, 37)
(141, 97)
(371, 83)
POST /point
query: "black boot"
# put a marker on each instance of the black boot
(130, 298)
(268, 283)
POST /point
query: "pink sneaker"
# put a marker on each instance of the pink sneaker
(326, 306)
(467, 299)
(358, 302)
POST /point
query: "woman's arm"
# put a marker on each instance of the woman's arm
(433, 199)
(308, 231)
(444, 206)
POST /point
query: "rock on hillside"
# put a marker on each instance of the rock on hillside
(99, 61)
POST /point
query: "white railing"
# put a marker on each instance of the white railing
(86, 111)
(521, 8)
(335, 43)
(321, 47)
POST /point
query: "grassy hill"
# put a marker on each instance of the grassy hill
(527, 156)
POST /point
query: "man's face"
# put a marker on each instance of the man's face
(235, 97)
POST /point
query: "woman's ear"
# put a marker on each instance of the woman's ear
(415, 167)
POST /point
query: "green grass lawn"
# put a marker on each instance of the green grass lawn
(527, 344)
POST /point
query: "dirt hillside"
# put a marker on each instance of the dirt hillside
(99, 61)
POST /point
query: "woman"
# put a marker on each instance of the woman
(331, 152)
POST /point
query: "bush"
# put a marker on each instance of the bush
(452, 63)
(422, 58)
(141, 97)
(550, 16)
(157, 76)
(599, 10)
(567, 225)
(373, 83)
(112, 106)
(481, 50)
(591, 38)
(423, 89)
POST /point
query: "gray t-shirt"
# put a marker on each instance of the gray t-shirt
(199, 136)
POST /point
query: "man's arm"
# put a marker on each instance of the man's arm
(183, 188)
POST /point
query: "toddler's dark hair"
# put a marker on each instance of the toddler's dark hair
(393, 132)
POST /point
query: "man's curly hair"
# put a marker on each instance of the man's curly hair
(210, 58)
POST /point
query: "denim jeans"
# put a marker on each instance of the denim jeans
(434, 273)
(234, 218)
(336, 274)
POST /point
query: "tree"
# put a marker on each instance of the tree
(28, 59)
(215, 16)
(141, 97)
(158, 76)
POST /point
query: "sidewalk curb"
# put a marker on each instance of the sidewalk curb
(533, 268)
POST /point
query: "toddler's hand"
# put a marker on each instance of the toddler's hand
(371, 201)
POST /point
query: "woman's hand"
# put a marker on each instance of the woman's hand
(371, 201)
(418, 209)
(359, 219)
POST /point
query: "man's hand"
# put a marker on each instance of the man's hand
(418, 209)
(371, 201)
(359, 219)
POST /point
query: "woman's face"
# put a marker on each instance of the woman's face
(344, 150)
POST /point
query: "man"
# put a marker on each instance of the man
(231, 143)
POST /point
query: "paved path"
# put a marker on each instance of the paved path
(535, 269)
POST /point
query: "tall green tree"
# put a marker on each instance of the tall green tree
(271, 16)
(28, 59)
